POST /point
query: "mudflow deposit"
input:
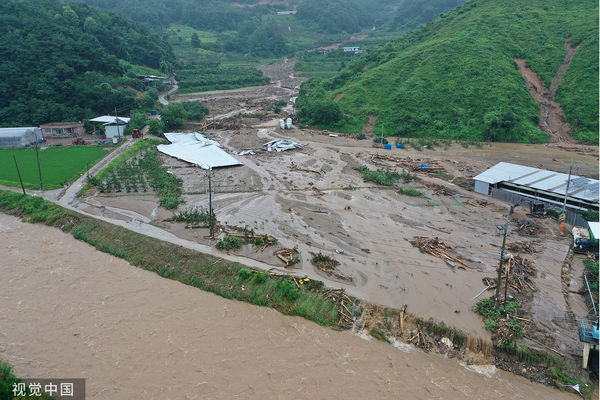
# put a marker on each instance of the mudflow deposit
(71, 311)
(313, 199)
(168, 339)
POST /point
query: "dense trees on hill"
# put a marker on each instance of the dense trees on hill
(332, 16)
(216, 15)
(412, 13)
(70, 61)
(456, 78)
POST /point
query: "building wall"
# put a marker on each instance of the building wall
(571, 217)
(482, 187)
(114, 131)
(76, 129)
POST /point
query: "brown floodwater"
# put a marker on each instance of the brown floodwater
(71, 311)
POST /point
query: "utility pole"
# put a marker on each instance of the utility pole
(117, 122)
(19, 173)
(212, 103)
(567, 190)
(210, 209)
(37, 154)
(382, 145)
(499, 279)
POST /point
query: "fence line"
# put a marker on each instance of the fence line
(571, 218)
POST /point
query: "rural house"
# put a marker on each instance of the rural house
(62, 129)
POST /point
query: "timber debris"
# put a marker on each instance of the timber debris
(288, 256)
(521, 273)
(329, 266)
(344, 305)
(298, 168)
(414, 164)
(521, 247)
(437, 248)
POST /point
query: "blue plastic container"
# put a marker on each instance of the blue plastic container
(399, 145)
(388, 146)
(153, 112)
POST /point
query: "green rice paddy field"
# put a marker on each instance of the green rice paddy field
(60, 165)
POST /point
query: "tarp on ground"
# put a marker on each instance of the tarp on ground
(198, 150)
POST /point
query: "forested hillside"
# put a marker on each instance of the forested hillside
(70, 61)
(214, 15)
(456, 77)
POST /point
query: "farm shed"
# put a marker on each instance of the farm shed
(539, 184)
(19, 137)
(115, 126)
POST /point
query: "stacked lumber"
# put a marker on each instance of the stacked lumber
(436, 248)
(413, 164)
(288, 256)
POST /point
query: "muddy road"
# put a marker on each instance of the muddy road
(71, 311)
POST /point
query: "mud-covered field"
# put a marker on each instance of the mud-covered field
(367, 227)
(71, 311)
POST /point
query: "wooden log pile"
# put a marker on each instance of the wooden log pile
(409, 163)
(437, 248)
(288, 256)
(521, 273)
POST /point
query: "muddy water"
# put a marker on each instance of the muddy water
(70, 311)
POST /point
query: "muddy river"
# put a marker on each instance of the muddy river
(71, 311)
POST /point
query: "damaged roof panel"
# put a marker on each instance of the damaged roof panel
(198, 150)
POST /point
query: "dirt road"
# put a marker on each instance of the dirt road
(162, 99)
(71, 311)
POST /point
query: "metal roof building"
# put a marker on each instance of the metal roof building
(19, 137)
(115, 127)
(544, 185)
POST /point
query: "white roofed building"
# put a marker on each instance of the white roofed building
(115, 126)
(540, 184)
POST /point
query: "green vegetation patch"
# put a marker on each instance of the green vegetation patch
(203, 271)
(138, 168)
(455, 78)
(591, 267)
(410, 192)
(380, 177)
(60, 165)
(504, 330)
(195, 217)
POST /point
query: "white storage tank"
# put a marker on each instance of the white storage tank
(288, 123)
(281, 124)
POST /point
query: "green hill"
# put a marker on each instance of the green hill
(456, 78)
(70, 62)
